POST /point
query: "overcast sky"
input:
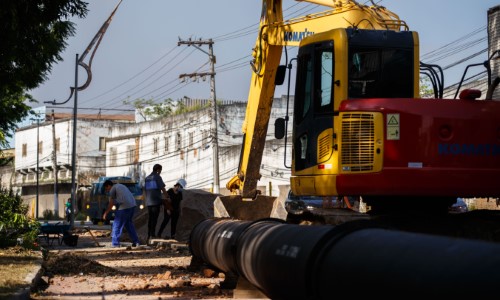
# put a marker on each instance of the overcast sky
(139, 56)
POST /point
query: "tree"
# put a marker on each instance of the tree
(426, 90)
(15, 222)
(150, 110)
(33, 34)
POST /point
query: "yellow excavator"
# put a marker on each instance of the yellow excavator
(359, 125)
(247, 203)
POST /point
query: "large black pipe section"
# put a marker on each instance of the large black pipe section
(288, 261)
(397, 263)
(214, 241)
(278, 259)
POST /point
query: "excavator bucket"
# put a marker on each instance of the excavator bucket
(261, 207)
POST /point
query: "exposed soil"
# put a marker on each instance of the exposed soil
(15, 263)
(158, 271)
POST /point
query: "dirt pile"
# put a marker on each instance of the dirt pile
(147, 272)
(68, 263)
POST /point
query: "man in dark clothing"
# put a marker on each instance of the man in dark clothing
(172, 211)
(154, 186)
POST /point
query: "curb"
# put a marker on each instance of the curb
(31, 280)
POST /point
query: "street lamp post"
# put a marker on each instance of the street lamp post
(79, 62)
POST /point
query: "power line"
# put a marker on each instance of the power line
(145, 89)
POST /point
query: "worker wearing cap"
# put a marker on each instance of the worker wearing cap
(175, 198)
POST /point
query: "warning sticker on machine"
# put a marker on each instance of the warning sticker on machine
(393, 127)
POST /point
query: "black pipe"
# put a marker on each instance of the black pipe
(278, 258)
(395, 263)
(287, 261)
(214, 241)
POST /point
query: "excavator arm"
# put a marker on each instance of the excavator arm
(274, 33)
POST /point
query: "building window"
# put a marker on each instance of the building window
(112, 156)
(25, 147)
(166, 138)
(178, 141)
(58, 145)
(191, 140)
(130, 154)
(155, 145)
(204, 137)
(40, 147)
(102, 143)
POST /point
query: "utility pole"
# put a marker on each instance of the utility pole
(54, 158)
(73, 152)
(215, 144)
(37, 164)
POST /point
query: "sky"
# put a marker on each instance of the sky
(139, 56)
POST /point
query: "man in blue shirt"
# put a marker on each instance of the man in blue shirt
(154, 186)
(121, 197)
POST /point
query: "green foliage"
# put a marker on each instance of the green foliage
(15, 225)
(33, 35)
(426, 90)
(4, 161)
(161, 110)
(182, 108)
(150, 110)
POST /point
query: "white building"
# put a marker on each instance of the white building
(54, 152)
(183, 145)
